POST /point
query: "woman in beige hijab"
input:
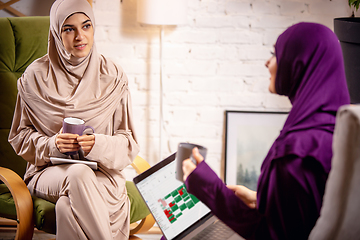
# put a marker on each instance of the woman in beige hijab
(73, 80)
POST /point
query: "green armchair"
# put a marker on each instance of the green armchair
(23, 40)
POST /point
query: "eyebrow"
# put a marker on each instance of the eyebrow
(69, 25)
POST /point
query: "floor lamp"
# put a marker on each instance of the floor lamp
(161, 12)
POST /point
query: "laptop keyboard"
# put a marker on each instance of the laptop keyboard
(215, 231)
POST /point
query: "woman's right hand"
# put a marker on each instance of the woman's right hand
(188, 166)
(246, 195)
(67, 142)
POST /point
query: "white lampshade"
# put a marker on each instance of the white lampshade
(162, 12)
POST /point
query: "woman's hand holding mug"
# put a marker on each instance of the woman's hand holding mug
(71, 137)
(67, 142)
(188, 166)
(86, 142)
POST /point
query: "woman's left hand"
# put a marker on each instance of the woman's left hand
(248, 196)
(188, 166)
(86, 142)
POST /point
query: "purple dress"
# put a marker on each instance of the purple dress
(294, 173)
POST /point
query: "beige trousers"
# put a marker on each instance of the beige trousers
(89, 204)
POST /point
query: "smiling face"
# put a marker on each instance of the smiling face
(77, 35)
(271, 64)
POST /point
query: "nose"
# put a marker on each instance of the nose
(267, 63)
(79, 36)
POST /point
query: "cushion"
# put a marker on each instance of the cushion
(138, 208)
(29, 44)
(22, 41)
(8, 88)
(7, 43)
(44, 215)
(7, 204)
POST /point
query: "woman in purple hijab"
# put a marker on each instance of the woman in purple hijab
(308, 68)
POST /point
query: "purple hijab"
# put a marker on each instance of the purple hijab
(311, 73)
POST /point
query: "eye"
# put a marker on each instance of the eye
(272, 53)
(86, 26)
(68, 30)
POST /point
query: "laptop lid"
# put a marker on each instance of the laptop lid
(176, 212)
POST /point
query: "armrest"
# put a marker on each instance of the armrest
(140, 165)
(23, 203)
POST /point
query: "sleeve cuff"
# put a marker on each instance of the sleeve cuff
(95, 152)
(202, 175)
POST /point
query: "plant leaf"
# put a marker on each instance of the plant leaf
(354, 3)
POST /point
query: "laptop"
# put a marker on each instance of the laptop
(179, 215)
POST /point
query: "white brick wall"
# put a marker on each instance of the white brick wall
(213, 63)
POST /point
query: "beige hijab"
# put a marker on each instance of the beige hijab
(60, 85)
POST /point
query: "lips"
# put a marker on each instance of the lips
(80, 46)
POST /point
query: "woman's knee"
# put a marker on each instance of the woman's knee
(62, 204)
(79, 174)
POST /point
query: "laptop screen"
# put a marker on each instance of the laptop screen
(173, 208)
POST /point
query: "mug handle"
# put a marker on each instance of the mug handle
(89, 127)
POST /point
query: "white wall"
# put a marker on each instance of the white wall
(213, 63)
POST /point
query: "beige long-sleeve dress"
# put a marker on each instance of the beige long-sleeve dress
(89, 204)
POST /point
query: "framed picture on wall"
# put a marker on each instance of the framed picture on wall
(248, 138)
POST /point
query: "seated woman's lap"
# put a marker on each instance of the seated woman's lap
(55, 181)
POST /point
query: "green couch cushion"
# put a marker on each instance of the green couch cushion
(22, 41)
(8, 93)
(7, 79)
(7, 204)
(7, 43)
(44, 217)
(29, 45)
(138, 208)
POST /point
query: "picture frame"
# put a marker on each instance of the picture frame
(248, 138)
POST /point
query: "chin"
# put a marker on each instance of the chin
(271, 90)
(80, 55)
